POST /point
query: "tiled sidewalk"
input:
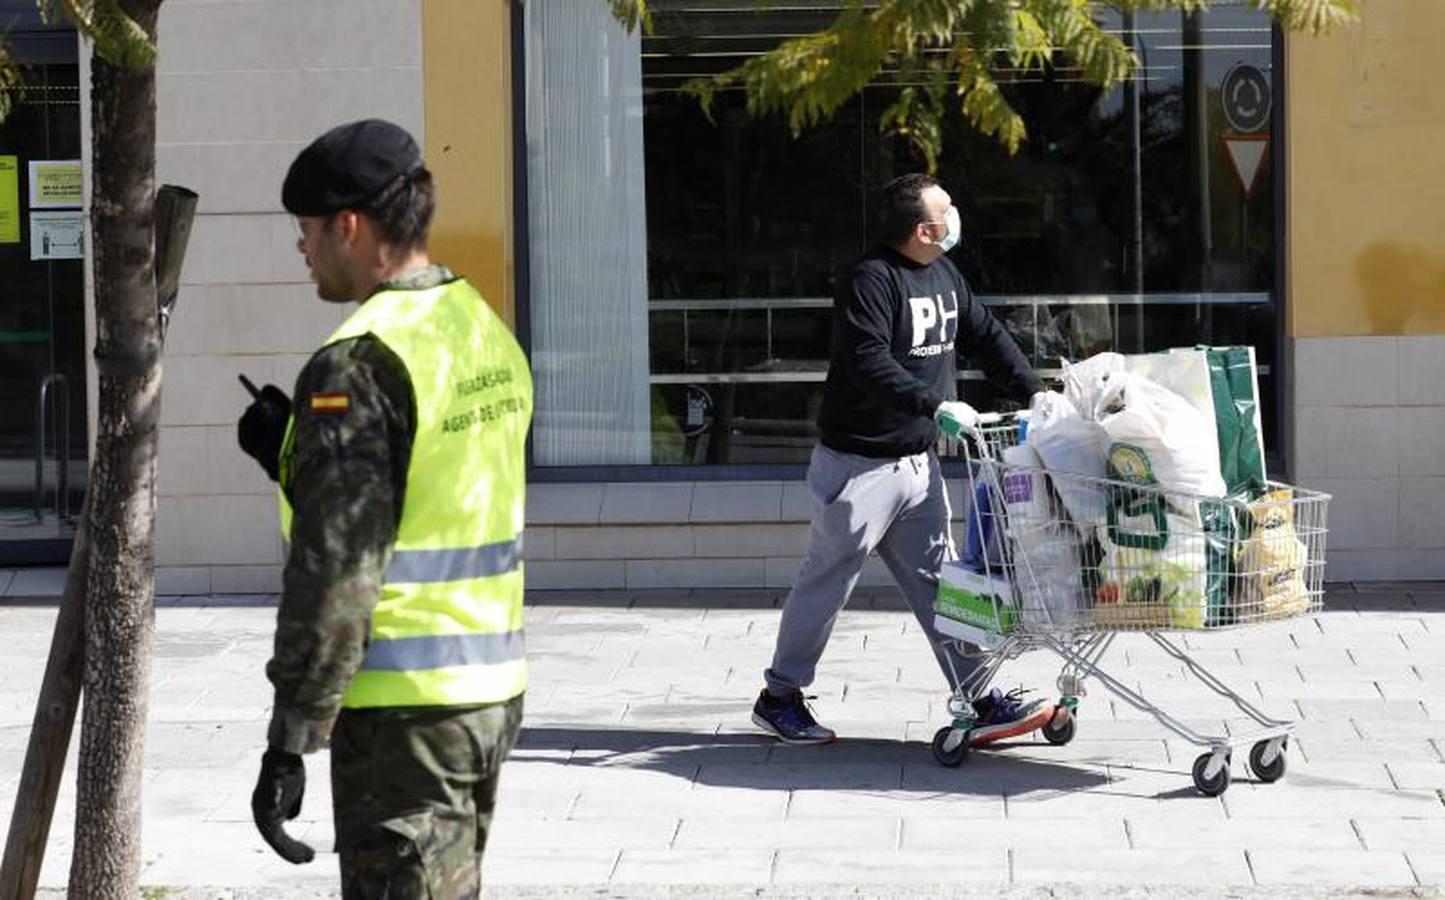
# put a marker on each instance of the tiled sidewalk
(638, 766)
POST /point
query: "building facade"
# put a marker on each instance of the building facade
(671, 272)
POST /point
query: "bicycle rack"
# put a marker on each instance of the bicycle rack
(62, 446)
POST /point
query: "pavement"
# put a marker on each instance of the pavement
(638, 773)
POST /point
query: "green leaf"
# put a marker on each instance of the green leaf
(631, 13)
(118, 38)
(10, 80)
(807, 78)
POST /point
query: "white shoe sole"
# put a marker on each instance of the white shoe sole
(767, 726)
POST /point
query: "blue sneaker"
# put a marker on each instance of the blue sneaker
(790, 720)
(1003, 716)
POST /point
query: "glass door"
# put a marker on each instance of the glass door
(42, 296)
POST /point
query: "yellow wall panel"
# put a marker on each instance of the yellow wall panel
(1366, 189)
(466, 60)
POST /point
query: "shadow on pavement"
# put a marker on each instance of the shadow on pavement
(760, 763)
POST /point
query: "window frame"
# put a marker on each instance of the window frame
(1276, 460)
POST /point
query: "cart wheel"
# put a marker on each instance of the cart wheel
(946, 756)
(1274, 770)
(1211, 787)
(1059, 730)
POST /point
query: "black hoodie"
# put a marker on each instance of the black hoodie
(897, 325)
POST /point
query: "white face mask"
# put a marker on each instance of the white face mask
(955, 230)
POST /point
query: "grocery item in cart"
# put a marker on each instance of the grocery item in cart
(982, 537)
(972, 606)
(1045, 545)
(1143, 588)
(1162, 438)
(1269, 577)
(1219, 383)
(1234, 382)
(1086, 382)
(1065, 441)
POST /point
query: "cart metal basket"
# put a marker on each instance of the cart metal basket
(1065, 562)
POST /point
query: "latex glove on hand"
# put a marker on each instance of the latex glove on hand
(277, 800)
(954, 417)
(262, 428)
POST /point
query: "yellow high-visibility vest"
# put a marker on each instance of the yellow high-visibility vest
(448, 628)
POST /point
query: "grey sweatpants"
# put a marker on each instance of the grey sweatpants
(897, 507)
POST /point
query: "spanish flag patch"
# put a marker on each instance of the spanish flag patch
(330, 404)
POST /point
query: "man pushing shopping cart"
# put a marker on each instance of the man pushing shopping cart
(899, 318)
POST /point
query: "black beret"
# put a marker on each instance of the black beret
(347, 166)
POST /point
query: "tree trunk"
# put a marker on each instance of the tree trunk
(120, 614)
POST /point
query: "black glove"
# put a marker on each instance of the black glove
(277, 799)
(262, 428)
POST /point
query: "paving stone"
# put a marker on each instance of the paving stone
(558, 864)
(1368, 751)
(534, 804)
(1362, 868)
(738, 803)
(1336, 689)
(665, 777)
(1428, 867)
(904, 804)
(1284, 800)
(1077, 865)
(718, 833)
(510, 834)
(1080, 805)
(1369, 670)
(925, 834)
(592, 790)
(1161, 831)
(1016, 775)
(1401, 833)
(1418, 776)
(1332, 775)
(963, 864)
(752, 867)
(250, 865)
(1363, 710)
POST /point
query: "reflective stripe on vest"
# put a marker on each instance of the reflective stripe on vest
(439, 650)
(456, 564)
(448, 627)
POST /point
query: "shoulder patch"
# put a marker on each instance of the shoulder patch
(330, 404)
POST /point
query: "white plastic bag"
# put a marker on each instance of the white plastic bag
(1068, 443)
(1046, 572)
(1085, 382)
(1045, 546)
(1183, 371)
(1156, 437)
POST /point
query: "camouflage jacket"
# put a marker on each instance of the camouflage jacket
(344, 474)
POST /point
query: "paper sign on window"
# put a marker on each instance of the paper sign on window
(55, 183)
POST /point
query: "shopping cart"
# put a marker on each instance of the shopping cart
(1066, 562)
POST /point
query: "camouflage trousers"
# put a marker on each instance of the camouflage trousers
(413, 792)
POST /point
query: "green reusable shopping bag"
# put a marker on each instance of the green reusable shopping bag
(1236, 419)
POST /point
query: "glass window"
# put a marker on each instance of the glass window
(1110, 229)
(42, 313)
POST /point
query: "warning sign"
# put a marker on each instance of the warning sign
(1247, 152)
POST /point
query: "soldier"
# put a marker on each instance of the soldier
(401, 467)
